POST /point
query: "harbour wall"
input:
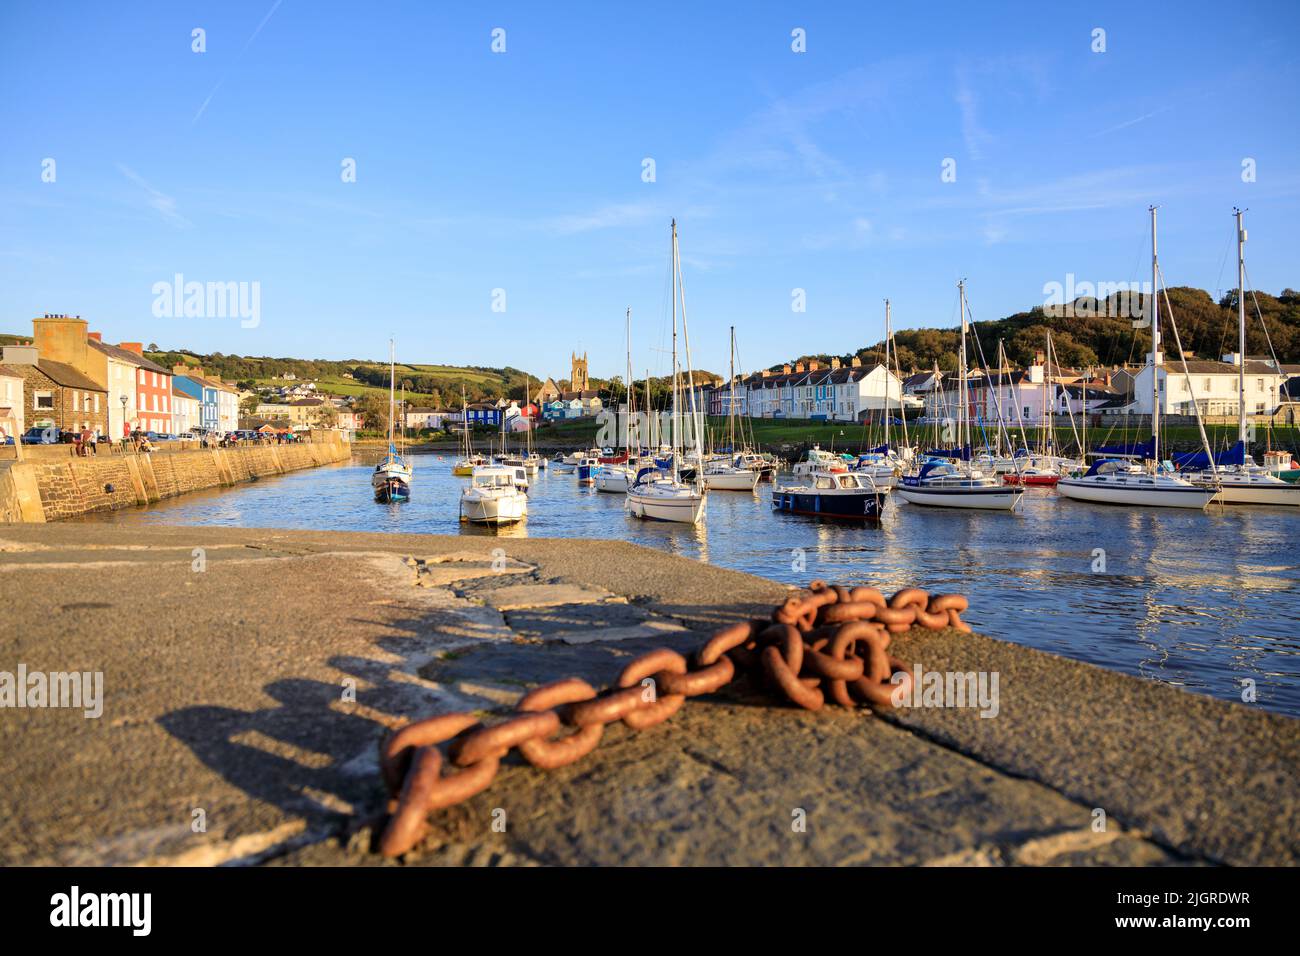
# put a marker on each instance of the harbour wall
(49, 488)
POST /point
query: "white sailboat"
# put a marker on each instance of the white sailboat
(391, 479)
(1240, 480)
(958, 484)
(665, 497)
(1116, 481)
(616, 477)
(730, 472)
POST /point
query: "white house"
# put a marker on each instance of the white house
(185, 411)
(418, 418)
(1210, 386)
(11, 405)
(227, 407)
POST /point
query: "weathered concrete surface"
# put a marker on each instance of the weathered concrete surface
(225, 693)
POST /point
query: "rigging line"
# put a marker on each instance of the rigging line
(1187, 377)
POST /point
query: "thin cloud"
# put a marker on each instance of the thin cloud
(159, 201)
(244, 49)
(1133, 122)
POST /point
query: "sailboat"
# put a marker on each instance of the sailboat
(666, 497)
(392, 476)
(958, 484)
(884, 464)
(731, 472)
(465, 465)
(1234, 472)
(1117, 481)
(615, 477)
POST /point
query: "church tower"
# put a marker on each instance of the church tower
(578, 377)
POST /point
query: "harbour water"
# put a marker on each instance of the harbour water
(1206, 601)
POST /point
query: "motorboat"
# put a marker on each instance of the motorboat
(493, 497)
(826, 494)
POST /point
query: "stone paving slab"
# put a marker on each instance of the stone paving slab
(258, 689)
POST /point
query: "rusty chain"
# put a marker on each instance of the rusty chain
(825, 641)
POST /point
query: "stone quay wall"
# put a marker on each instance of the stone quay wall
(50, 489)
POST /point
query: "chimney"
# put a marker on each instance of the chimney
(835, 364)
(855, 362)
(62, 339)
(19, 355)
(95, 336)
(136, 347)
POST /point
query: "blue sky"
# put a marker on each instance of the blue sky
(522, 171)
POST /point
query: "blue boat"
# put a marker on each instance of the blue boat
(825, 494)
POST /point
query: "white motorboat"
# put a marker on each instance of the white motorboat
(883, 469)
(1116, 482)
(614, 479)
(493, 497)
(819, 460)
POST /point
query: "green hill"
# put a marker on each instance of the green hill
(1099, 333)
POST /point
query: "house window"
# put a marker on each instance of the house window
(44, 401)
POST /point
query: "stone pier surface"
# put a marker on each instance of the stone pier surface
(228, 734)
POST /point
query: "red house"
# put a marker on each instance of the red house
(153, 392)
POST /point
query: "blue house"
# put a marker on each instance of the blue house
(483, 413)
(202, 391)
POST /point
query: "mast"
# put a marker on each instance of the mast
(676, 428)
(731, 406)
(1241, 333)
(888, 335)
(1049, 437)
(627, 423)
(651, 445)
(392, 375)
(696, 422)
(1155, 345)
(963, 422)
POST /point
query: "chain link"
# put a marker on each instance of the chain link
(825, 641)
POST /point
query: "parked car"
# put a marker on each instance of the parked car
(37, 435)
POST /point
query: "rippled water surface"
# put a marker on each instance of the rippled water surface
(1201, 600)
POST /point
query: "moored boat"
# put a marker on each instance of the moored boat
(944, 484)
(825, 494)
(1116, 482)
(493, 497)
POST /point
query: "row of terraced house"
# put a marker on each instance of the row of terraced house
(67, 377)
